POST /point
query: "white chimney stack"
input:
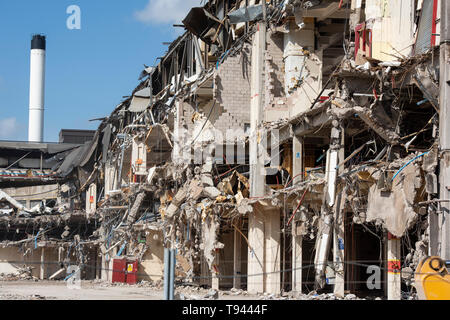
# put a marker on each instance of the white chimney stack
(37, 88)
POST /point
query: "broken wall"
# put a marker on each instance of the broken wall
(151, 266)
(30, 196)
(232, 91)
(12, 259)
(305, 95)
(275, 101)
(302, 68)
(274, 66)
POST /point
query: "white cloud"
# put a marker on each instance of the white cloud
(8, 128)
(165, 11)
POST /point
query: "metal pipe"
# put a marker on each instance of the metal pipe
(172, 274)
(166, 273)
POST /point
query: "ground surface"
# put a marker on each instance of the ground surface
(58, 290)
(97, 290)
(52, 290)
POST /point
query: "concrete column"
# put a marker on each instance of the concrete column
(215, 282)
(109, 267)
(60, 254)
(394, 279)
(297, 240)
(297, 163)
(339, 249)
(297, 259)
(109, 264)
(237, 260)
(255, 279)
(323, 242)
(272, 254)
(176, 152)
(98, 266)
(257, 173)
(104, 266)
(339, 230)
(42, 268)
(434, 233)
(204, 273)
(332, 174)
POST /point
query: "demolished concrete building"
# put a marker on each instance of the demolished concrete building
(44, 227)
(280, 146)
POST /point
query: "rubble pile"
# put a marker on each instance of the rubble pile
(33, 297)
(19, 275)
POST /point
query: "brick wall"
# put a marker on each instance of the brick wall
(232, 91)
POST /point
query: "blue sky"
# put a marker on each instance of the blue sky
(88, 71)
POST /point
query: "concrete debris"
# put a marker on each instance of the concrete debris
(350, 297)
(136, 206)
(20, 297)
(377, 119)
(207, 181)
(373, 116)
(211, 295)
(19, 275)
(196, 293)
(210, 228)
(10, 200)
(396, 206)
(236, 292)
(313, 295)
(211, 192)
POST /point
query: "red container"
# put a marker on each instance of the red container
(132, 269)
(119, 270)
